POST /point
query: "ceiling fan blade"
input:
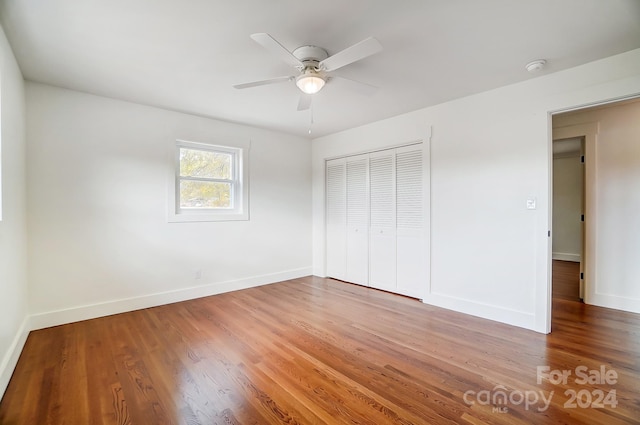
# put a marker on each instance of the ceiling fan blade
(305, 102)
(271, 44)
(356, 86)
(263, 82)
(352, 54)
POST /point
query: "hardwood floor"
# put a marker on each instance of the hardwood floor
(566, 280)
(318, 351)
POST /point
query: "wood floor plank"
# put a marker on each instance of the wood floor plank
(319, 351)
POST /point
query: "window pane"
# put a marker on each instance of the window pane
(207, 164)
(199, 194)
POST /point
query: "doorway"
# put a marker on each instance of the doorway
(568, 218)
(609, 267)
(574, 207)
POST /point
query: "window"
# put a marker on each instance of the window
(209, 184)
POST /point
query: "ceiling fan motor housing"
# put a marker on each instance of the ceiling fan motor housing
(310, 56)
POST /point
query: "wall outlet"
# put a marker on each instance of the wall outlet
(197, 274)
(531, 203)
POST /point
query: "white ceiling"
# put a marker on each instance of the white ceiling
(186, 55)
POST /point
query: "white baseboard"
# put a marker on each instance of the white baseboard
(564, 256)
(501, 314)
(10, 359)
(75, 314)
(615, 302)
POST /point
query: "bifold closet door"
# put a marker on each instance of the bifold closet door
(357, 262)
(375, 220)
(336, 192)
(382, 231)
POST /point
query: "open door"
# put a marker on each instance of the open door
(583, 218)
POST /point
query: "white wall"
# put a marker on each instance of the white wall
(13, 233)
(567, 206)
(99, 240)
(617, 199)
(489, 153)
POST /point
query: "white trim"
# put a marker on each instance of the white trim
(75, 314)
(380, 149)
(10, 359)
(565, 256)
(589, 105)
(507, 316)
(616, 302)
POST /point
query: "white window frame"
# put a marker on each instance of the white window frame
(239, 181)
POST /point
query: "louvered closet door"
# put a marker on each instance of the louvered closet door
(357, 219)
(382, 231)
(411, 279)
(336, 249)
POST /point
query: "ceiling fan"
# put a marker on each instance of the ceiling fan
(314, 65)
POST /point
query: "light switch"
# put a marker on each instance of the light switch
(531, 203)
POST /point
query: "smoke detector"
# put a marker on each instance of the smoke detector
(535, 65)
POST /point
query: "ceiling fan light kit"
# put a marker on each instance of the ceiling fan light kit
(310, 82)
(313, 64)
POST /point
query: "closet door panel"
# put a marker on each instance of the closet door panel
(357, 168)
(410, 264)
(410, 222)
(336, 248)
(382, 231)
